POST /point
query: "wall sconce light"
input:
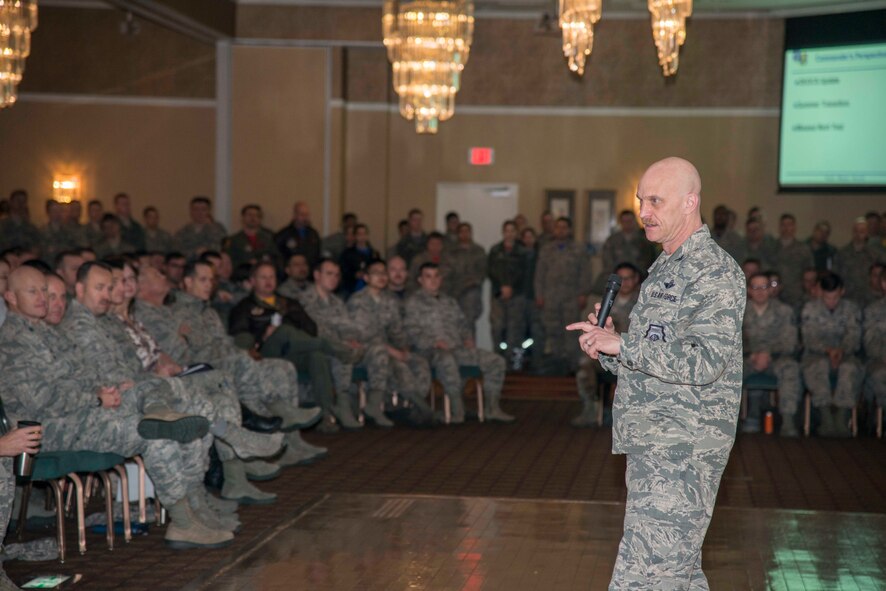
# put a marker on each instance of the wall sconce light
(66, 188)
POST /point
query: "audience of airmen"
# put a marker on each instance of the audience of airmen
(172, 344)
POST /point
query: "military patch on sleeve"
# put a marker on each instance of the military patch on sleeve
(656, 332)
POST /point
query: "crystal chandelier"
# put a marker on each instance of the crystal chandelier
(428, 43)
(577, 20)
(669, 30)
(17, 19)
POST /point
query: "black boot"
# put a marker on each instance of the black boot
(259, 423)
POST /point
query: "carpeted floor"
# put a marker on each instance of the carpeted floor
(539, 457)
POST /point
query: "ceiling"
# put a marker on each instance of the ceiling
(638, 7)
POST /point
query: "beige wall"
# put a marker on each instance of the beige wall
(278, 107)
(160, 155)
(737, 158)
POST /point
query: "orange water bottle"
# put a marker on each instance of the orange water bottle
(769, 423)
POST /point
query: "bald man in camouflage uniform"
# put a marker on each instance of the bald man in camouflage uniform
(438, 331)
(468, 260)
(831, 331)
(375, 314)
(679, 385)
(562, 282)
(770, 343)
(875, 349)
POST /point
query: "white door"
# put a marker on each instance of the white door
(485, 206)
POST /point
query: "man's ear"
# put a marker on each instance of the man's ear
(692, 202)
(79, 290)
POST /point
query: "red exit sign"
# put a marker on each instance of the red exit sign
(481, 156)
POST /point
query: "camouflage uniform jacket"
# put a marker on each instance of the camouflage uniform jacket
(853, 266)
(207, 338)
(774, 331)
(56, 239)
(162, 324)
(377, 320)
(763, 252)
(823, 329)
(468, 267)
(435, 318)
(732, 243)
(85, 330)
(16, 232)
(158, 241)
(42, 380)
(445, 268)
(790, 262)
(330, 314)
(507, 268)
(875, 331)
(292, 289)
(132, 233)
(621, 248)
(563, 269)
(680, 364)
(193, 238)
(241, 251)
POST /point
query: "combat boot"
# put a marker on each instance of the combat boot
(842, 417)
(588, 416)
(208, 516)
(295, 417)
(328, 426)
(186, 531)
(826, 427)
(299, 452)
(159, 422)
(456, 409)
(249, 444)
(237, 487)
(494, 411)
(375, 409)
(345, 415)
(260, 471)
(221, 505)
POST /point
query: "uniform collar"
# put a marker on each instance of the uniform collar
(695, 241)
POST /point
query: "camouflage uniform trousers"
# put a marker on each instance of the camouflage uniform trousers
(875, 383)
(446, 363)
(587, 381)
(183, 400)
(669, 507)
(7, 494)
(817, 372)
(786, 372)
(534, 326)
(209, 394)
(259, 383)
(508, 320)
(411, 379)
(307, 353)
(556, 314)
(173, 467)
(471, 303)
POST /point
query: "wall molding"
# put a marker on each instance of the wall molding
(116, 100)
(532, 111)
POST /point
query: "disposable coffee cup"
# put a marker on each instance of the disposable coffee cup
(23, 465)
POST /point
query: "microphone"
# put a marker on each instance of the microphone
(612, 287)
